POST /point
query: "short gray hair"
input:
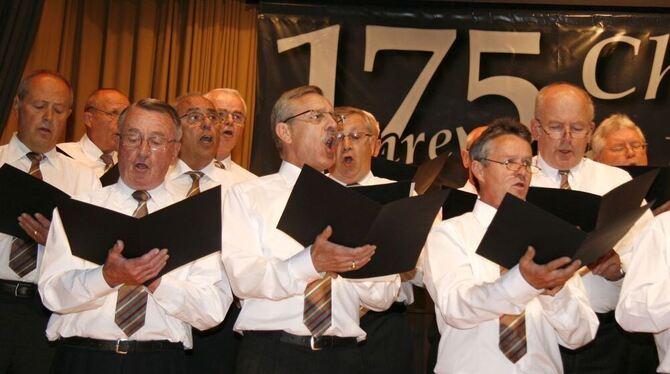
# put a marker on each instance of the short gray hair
(502, 126)
(370, 120)
(284, 108)
(22, 91)
(230, 91)
(153, 105)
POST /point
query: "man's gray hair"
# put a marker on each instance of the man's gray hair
(609, 125)
(284, 108)
(153, 105)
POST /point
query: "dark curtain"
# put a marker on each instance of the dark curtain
(17, 32)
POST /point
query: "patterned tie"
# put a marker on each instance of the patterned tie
(195, 186)
(131, 302)
(318, 306)
(219, 164)
(108, 160)
(512, 340)
(23, 253)
(565, 185)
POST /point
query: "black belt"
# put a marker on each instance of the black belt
(313, 343)
(122, 346)
(18, 289)
(607, 317)
(394, 308)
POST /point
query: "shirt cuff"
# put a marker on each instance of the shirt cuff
(518, 289)
(96, 282)
(302, 267)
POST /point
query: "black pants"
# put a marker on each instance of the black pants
(215, 350)
(80, 360)
(261, 355)
(388, 347)
(613, 351)
(24, 347)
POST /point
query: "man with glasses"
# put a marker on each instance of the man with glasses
(106, 320)
(388, 347)
(563, 125)
(97, 149)
(618, 141)
(214, 350)
(42, 104)
(475, 298)
(298, 315)
(233, 114)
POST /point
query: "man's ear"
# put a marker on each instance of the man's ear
(376, 147)
(535, 128)
(88, 118)
(477, 169)
(283, 132)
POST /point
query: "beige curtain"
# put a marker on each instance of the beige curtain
(148, 48)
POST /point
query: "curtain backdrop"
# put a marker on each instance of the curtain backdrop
(17, 32)
(147, 48)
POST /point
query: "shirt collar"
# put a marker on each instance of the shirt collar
(552, 172)
(17, 150)
(91, 150)
(180, 168)
(289, 172)
(159, 195)
(227, 162)
(484, 213)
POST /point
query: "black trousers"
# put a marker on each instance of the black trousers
(388, 347)
(24, 347)
(80, 360)
(215, 350)
(262, 355)
(613, 351)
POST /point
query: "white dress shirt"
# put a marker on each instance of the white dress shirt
(644, 305)
(269, 270)
(87, 153)
(59, 171)
(598, 179)
(470, 296)
(468, 187)
(179, 183)
(240, 174)
(196, 294)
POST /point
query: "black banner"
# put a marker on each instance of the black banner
(431, 75)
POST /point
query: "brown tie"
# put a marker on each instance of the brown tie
(219, 164)
(565, 185)
(23, 253)
(131, 301)
(512, 334)
(108, 160)
(318, 306)
(195, 186)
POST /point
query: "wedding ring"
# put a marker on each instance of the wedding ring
(35, 233)
(353, 265)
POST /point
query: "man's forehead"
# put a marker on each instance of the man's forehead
(355, 121)
(194, 103)
(145, 121)
(226, 100)
(46, 86)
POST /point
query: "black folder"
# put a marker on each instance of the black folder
(659, 192)
(589, 211)
(386, 193)
(20, 192)
(458, 202)
(398, 229)
(518, 224)
(392, 170)
(189, 229)
(444, 170)
(111, 176)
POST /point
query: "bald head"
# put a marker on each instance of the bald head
(101, 117)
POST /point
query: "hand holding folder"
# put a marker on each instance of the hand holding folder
(518, 224)
(189, 229)
(398, 228)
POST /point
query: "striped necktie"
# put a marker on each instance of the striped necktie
(317, 310)
(195, 186)
(23, 253)
(512, 333)
(565, 184)
(131, 301)
(108, 160)
(219, 164)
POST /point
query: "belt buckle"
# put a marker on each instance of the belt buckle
(312, 344)
(119, 349)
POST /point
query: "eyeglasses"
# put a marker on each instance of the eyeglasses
(634, 146)
(354, 136)
(516, 166)
(238, 117)
(110, 115)
(316, 116)
(558, 131)
(134, 140)
(198, 118)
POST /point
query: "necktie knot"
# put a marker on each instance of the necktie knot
(565, 184)
(141, 196)
(219, 164)
(107, 159)
(35, 157)
(195, 186)
(195, 175)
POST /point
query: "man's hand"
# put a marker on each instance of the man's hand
(608, 267)
(665, 207)
(330, 257)
(551, 276)
(120, 270)
(37, 228)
